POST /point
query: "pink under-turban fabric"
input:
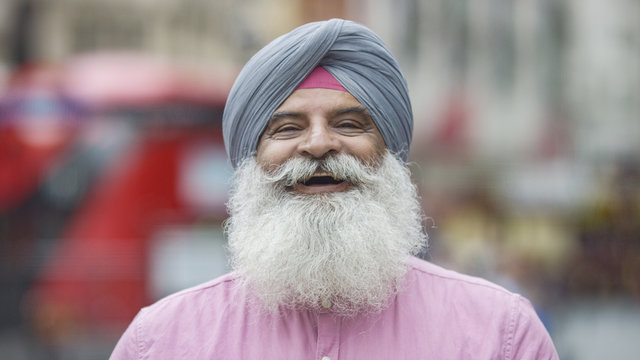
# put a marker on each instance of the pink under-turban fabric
(320, 78)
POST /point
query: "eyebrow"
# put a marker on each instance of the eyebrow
(353, 109)
(282, 114)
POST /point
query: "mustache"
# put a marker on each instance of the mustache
(341, 167)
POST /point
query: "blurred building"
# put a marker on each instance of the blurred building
(184, 30)
(193, 32)
(527, 70)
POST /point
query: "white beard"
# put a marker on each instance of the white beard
(349, 248)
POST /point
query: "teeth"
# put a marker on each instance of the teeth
(323, 173)
(320, 174)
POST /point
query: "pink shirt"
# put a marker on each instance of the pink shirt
(440, 314)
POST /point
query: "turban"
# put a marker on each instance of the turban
(350, 52)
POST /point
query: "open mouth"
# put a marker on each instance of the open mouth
(321, 182)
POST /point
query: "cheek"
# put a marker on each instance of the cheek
(368, 149)
(274, 153)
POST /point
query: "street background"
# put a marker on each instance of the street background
(113, 174)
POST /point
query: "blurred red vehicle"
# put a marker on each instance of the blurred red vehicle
(149, 157)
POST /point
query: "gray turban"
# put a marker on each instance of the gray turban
(352, 53)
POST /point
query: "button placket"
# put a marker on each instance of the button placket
(328, 336)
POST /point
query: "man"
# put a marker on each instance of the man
(324, 223)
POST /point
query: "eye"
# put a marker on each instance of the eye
(286, 128)
(284, 131)
(349, 125)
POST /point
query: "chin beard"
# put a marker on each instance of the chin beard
(348, 249)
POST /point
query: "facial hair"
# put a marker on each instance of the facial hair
(348, 249)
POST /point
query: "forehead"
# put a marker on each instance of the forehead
(318, 99)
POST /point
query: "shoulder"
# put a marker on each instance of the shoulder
(220, 287)
(179, 321)
(421, 271)
(451, 287)
(190, 304)
(468, 303)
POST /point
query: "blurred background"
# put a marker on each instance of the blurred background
(113, 174)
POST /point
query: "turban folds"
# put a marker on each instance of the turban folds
(352, 53)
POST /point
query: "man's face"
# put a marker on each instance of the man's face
(316, 123)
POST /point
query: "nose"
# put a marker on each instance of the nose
(319, 142)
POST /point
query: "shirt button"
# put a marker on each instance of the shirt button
(326, 304)
(326, 358)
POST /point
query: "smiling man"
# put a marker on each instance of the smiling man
(324, 226)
